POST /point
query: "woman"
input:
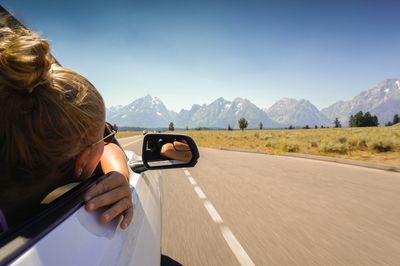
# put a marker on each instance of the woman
(52, 122)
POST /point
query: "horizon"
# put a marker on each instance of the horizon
(187, 53)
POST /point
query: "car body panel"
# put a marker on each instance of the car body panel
(82, 240)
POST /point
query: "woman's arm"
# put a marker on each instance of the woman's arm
(114, 159)
(113, 188)
(180, 152)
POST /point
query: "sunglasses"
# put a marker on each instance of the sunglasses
(109, 134)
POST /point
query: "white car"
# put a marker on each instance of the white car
(64, 233)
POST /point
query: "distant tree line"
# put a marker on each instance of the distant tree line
(243, 123)
(360, 119)
(396, 120)
(363, 120)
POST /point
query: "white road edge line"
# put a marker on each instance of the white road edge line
(235, 246)
(200, 192)
(187, 172)
(212, 212)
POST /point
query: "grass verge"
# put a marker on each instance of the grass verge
(375, 144)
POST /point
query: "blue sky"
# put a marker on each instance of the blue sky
(187, 52)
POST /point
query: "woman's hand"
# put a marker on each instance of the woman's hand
(111, 190)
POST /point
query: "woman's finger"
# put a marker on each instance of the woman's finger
(108, 198)
(109, 182)
(127, 218)
(118, 208)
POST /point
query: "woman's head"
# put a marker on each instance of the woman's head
(48, 114)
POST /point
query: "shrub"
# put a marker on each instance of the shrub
(314, 144)
(382, 146)
(290, 147)
(362, 144)
(341, 148)
(293, 148)
(274, 144)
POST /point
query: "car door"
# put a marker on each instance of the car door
(65, 234)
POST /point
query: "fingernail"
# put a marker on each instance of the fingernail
(87, 198)
(106, 217)
(124, 225)
(90, 206)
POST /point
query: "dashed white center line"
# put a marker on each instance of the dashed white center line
(192, 181)
(229, 237)
(235, 246)
(212, 212)
(200, 192)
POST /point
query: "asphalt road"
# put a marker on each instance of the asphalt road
(243, 208)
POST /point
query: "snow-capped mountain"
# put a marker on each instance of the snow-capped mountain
(221, 112)
(143, 112)
(294, 112)
(151, 112)
(383, 100)
(112, 110)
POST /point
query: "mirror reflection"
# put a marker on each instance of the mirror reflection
(165, 150)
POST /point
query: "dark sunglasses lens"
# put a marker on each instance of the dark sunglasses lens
(108, 129)
(110, 137)
(109, 133)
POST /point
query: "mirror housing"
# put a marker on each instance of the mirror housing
(166, 151)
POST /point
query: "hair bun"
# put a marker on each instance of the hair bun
(25, 59)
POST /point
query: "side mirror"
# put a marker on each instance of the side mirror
(163, 151)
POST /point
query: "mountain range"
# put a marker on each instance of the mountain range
(382, 100)
(143, 112)
(297, 113)
(221, 113)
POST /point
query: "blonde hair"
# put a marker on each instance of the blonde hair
(49, 114)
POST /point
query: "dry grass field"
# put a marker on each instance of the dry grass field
(375, 144)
